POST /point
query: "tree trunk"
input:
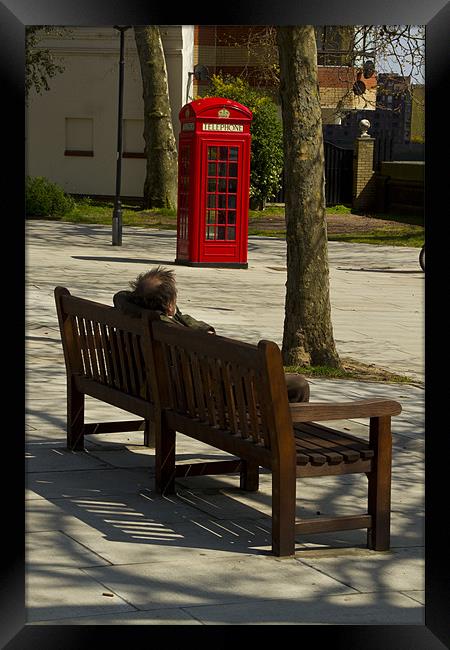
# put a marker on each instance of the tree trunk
(160, 187)
(308, 334)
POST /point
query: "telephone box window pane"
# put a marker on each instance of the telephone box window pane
(210, 234)
(211, 216)
(223, 153)
(222, 216)
(212, 153)
(211, 200)
(231, 201)
(231, 233)
(223, 169)
(232, 169)
(233, 153)
(232, 185)
(222, 200)
(211, 185)
(222, 185)
(221, 232)
(212, 169)
(231, 216)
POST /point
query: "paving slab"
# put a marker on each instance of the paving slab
(105, 549)
(51, 594)
(85, 483)
(215, 581)
(400, 569)
(158, 617)
(56, 549)
(128, 541)
(48, 458)
(350, 609)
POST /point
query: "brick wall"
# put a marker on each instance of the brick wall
(364, 184)
(223, 48)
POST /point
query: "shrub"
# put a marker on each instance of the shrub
(266, 162)
(44, 198)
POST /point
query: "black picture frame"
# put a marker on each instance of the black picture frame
(14, 16)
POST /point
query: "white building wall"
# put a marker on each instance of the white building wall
(87, 91)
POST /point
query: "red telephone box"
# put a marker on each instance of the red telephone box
(213, 183)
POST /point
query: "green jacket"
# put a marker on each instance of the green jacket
(123, 300)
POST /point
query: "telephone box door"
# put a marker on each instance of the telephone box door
(223, 230)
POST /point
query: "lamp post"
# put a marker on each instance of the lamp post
(117, 212)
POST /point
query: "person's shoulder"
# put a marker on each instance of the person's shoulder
(190, 321)
(122, 300)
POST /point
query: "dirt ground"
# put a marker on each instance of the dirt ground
(336, 223)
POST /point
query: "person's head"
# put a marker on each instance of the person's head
(156, 289)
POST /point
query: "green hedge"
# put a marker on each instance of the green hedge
(46, 199)
(266, 163)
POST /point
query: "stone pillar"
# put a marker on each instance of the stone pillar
(364, 194)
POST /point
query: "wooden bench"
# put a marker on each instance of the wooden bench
(230, 395)
(107, 356)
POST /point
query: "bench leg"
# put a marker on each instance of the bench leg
(379, 501)
(164, 459)
(75, 418)
(283, 512)
(149, 434)
(249, 476)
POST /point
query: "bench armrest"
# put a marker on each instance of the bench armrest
(312, 412)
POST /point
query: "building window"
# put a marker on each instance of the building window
(133, 139)
(79, 137)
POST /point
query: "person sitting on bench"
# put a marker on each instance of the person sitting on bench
(156, 290)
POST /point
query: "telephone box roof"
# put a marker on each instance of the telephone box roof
(217, 107)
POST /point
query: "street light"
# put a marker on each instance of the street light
(117, 212)
(201, 73)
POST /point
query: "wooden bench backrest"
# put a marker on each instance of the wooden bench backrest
(222, 383)
(105, 347)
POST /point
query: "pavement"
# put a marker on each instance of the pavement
(104, 548)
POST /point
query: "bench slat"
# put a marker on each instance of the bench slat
(336, 452)
(91, 349)
(229, 398)
(308, 442)
(331, 524)
(205, 372)
(100, 352)
(237, 380)
(314, 456)
(218, 392)
(131, 363)
(342, 440)
(250, 401)
(187, 382)
(107, 352)
(139, 365)
(84, 348)
(123, 364)
(198, 387)
(115, 358)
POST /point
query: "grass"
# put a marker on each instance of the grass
(406, 231)
(389, 236)
(352, 369)
(93, 211)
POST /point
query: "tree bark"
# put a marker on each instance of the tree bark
(160, 187)
(308, 334)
